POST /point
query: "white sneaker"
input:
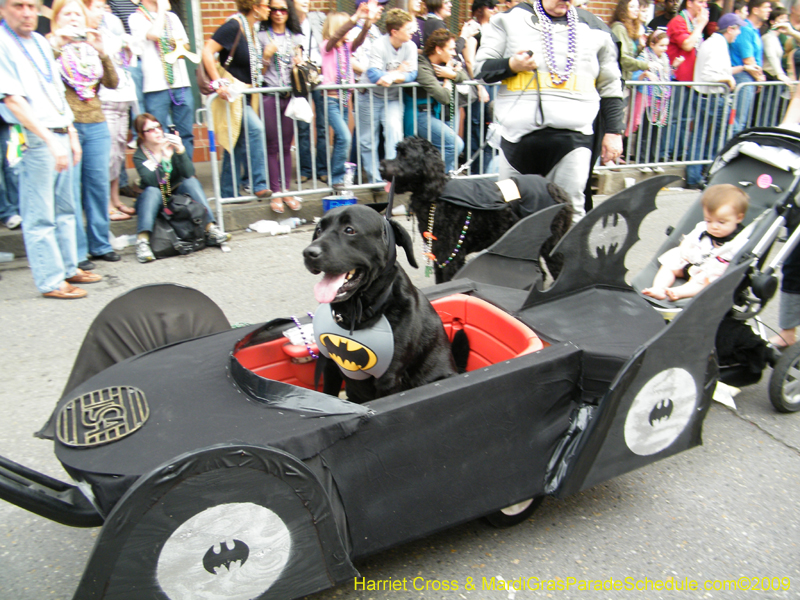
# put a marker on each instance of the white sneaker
(645, 170)
(13, 221)
(215, 236)
(658, 169)
(144, 253)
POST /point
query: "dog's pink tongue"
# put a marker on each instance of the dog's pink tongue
(325, 290)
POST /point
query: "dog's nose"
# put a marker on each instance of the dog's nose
(312, 252)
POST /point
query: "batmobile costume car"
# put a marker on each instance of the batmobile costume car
(217, 471)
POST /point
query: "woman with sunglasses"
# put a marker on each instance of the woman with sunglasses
(165, 168)
(280, 36)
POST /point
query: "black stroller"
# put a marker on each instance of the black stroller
(764, 162)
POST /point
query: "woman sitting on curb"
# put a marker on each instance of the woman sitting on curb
(164, 168)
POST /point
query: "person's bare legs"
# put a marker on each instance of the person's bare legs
(792, 116)
(687, 290)
(663, 279)
(116, 202)
(784, 339)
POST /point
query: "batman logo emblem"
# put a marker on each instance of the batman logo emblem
(349, 354)
(661, 411)
(608, 235)
(226, 556)
(244, 548)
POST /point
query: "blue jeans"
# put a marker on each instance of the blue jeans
(681, 109)
(479, 129)
(441, 136)
(149, 202)
(252, 135)
(174, 107)
(374, 111)
(9, 179)
(744, 101)
(138, 82)
(304, 139)
(338, 120)
(48, 214)
(91, 190)
(706, 133)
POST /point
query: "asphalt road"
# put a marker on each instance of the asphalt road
(720, 512)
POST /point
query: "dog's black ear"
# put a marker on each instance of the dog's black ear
(403, 239)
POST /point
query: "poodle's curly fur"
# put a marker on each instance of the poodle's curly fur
(419, 169)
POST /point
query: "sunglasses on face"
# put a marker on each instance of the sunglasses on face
(153, 128)
(279, 10)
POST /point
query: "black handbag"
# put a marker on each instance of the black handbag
(305, 77)
(180, 227)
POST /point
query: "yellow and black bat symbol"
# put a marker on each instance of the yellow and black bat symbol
(348, 354)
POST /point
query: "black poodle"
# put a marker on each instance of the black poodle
(419, 169)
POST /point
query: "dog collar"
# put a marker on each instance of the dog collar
(361, 353)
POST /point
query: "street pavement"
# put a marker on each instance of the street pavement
(723, 511)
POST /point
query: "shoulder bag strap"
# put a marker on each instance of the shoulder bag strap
(235, 44)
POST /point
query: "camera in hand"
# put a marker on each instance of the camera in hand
(73, 33)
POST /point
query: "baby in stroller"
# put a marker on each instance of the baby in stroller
(704, 253)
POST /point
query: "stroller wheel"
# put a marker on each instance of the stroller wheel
(784, 385)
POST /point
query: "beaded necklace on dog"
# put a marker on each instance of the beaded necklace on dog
(556, 76)
(163, 182)
(45, 79)
(429, 237)
(307, 343)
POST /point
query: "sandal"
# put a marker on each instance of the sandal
(294, 203)
(277, 206)
(82, 276)
(70, 293)
(124, 208)
(117, 215)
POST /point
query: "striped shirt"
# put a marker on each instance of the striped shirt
(123, 9)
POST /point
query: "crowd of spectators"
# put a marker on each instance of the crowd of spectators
(132, 62)
(754, 43)
(67, 101)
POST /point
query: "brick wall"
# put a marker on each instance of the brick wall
(602, 8)
(214, 12)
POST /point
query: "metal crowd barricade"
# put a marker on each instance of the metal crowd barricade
(361, 94)
(680, 123)
(772, 98)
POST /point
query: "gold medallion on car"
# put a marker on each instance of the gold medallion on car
(102, 416)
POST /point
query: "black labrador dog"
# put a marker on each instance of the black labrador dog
(370, 297)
